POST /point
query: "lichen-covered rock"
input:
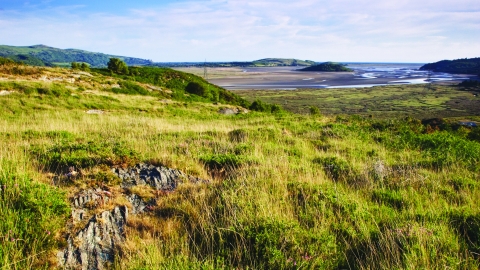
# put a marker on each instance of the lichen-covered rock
(158, 177)
(86, 199)
(139, 205)
(93, 247)
(90, 197)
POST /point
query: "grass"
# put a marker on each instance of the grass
(380, 102)
(287, 191)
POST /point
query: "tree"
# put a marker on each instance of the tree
(118, 66)
(85, 67)
(75, 65)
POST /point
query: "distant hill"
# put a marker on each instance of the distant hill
(276, 62)
(266, 62)
(54, 56)
(458, 66)
(328, 67)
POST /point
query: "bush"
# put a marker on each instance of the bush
(196, 89)
(261, 106)
(117, 66)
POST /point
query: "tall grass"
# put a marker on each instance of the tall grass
(286, 191)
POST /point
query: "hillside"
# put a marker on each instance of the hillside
(328, 67)
(267, 62)
(55, 56)
(458, 66)
(276, 62)
(136, 172)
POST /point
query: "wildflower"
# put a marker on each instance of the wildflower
(48, 232)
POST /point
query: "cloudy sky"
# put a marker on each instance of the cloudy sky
(233, 30)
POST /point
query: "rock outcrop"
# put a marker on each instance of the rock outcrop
(158, 177)
(94, 246)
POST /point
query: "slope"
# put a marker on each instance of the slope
(66, 56)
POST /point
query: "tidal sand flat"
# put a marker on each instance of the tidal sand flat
(289, 78)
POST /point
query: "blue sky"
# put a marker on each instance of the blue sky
(221, 30)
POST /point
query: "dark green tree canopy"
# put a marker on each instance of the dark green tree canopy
(118, 66)
(196, 88)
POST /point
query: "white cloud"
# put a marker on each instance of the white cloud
(407, 31)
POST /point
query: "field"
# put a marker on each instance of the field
(283, 190)
(419, 101)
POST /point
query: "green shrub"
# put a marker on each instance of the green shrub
(196, 88)
(223, 161)
(336, 168)
(31, 214)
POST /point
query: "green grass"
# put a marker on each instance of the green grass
(380, 102)
(286, 191)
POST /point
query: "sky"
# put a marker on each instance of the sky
(411, 31)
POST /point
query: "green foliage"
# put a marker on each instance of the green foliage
(328, 67)
(87, 154)
(441, 148)
(196, 88)
(336, 168)
(224, 162)
(261, 106)
(131, 88)
(54, 55)
(80, 66)
(28, 60)
(459, 66)
(118, 66)
(314, 110)
(470, 84)
(6, 61)
(474, 135)
(31, 213)
(276, 62)
(177, 82)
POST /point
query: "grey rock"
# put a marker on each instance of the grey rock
(93, 247)
(228, 111)
(160, 178)
(90, 196)
(232, 111)
(139, 205)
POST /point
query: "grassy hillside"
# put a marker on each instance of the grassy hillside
(267, 62)
(458, 66)
(65, 57)
(328, 67)
(274, 62)
(286, 191)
